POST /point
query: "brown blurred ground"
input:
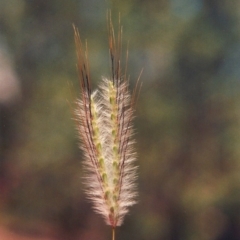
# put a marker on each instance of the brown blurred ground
(6, 233)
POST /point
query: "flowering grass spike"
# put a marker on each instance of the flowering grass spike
(104, 122)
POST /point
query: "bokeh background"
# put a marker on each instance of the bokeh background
(187, 125)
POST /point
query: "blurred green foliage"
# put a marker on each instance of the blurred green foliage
(187, 125)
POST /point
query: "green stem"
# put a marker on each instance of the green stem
(113, 233)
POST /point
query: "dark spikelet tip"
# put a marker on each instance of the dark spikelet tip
(82, 64)
(115, 45)
(136, 91)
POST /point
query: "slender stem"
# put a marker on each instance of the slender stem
(113, 233)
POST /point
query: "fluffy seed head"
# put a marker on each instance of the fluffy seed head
(104, 122)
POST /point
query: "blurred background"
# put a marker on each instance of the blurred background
(187, 125)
